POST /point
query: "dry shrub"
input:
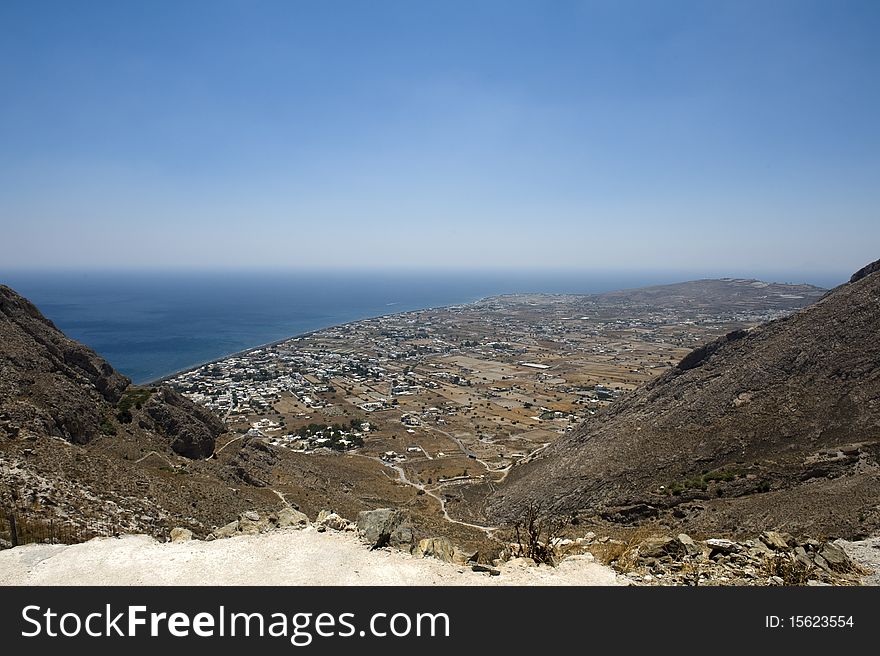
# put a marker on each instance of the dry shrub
(791, 570)
(622, 552)
(536, 533)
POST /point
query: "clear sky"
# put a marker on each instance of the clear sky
(704, 135)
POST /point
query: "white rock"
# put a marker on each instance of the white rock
(181, 534)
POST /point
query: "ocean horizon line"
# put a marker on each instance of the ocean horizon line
(154, 327)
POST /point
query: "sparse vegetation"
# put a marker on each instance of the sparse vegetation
(133, 397)
(700, 482)
(618, 552)
(107, 426)
(537, 531)
(791, 570)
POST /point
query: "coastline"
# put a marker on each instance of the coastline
(242, 352)
(167, 377)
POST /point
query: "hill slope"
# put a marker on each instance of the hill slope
(75, 437)
(774, 427)
(52, 385)
(83, 452)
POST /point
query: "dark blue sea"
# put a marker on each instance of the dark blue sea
(150, 325)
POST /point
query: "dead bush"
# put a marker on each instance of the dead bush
(622, 552)
(791, 570)
(537, 533)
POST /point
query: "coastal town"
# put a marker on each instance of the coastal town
(457, 395)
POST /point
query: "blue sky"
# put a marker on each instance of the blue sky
(706, 136)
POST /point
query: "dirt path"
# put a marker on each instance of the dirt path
(284, 557)
(470, 454)
(158, 455)
(234, 439)
(401, 478)
(281, 496)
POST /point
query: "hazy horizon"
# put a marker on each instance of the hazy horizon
(543, 280)
(726, 137)
(149, 324)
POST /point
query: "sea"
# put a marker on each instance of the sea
(149, 325)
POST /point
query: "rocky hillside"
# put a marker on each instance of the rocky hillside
(82, 448)
(51, 385)
(777, 427)
(83, 452)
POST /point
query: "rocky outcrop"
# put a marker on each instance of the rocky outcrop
(774, 558)
(777, 427)
(385, 527)
(252, 522)
(191, 429)
(699, 355)
(866, 270)
(51, 385)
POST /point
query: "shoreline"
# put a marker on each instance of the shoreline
(251, 349)
(308, 333)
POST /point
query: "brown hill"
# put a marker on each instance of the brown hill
(52, 385)
(83, 448)
(83, 452)
(774, 427)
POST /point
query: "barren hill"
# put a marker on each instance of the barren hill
(83, 448)
(83, 452)
(714, 294)
(773, 427)
(52, 385)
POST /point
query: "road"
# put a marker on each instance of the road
(402, 478)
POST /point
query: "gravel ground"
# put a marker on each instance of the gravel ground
(867, 553)
(283, 557)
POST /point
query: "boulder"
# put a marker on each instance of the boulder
(801, 555)
(521, 561)
(288, 517)
(835, 557)
(439, 548)
(179, 534)
(759, 549)
(723, 546)
(821, 563)
(251, 523)
(402, 537)
(492, 571)
(225, 531)
(329, 519)
(688, 546)
(662, 547)
(385, 527)
(659, 547)
(777, 540)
